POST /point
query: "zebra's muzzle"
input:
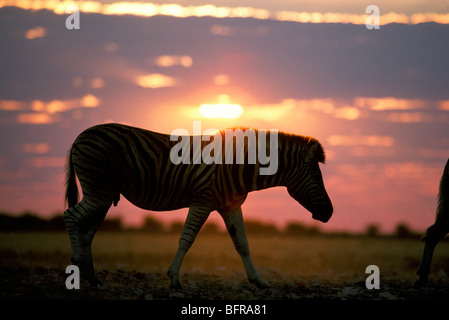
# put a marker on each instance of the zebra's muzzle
(322, 212)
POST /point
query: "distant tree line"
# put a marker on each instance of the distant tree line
(31, 222)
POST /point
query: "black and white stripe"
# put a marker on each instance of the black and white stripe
(113, 159)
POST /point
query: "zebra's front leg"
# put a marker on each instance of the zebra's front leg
(234, 224)
(195, 219)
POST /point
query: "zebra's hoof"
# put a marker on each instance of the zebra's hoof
(420, 283)
(260, 283)
(175, 285)
(95, 283)
(174, 280)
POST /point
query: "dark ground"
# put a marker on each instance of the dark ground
(49, 283)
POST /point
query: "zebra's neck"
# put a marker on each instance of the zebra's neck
(289, 157)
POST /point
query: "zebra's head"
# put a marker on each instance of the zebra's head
(307, 186)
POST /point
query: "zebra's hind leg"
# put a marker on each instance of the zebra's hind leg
(234, 224)
(82, 221)
(195, 219)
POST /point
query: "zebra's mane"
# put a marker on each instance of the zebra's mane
(304, 141)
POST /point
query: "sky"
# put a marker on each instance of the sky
(377, 99)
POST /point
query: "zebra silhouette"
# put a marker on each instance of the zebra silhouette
(113, 159)
(437, 231)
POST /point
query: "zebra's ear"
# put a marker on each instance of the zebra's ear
(315, 152)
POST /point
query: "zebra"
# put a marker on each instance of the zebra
(115, 159)
(437, 231)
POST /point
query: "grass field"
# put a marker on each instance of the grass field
(133, 266)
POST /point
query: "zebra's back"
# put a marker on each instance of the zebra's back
(113, 159)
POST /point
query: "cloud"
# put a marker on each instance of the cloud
(429, 17)
(41, 162)
(97, 83)
(268, 112)
(348, 113)
(176, 10)
(46, 112)
(284, 109)
(12, 105)
(37, 148)
(155, 80)
(361, 140)
(36, 118)
(400, 110)
(35, 33)
(444, 105)
(409, 117)
(390, 103)
(174, 60)
(89, 101)
(432, 153)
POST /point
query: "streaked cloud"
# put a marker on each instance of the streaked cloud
(89, 101)
(35, 33)
(174, 60)
(37, 148)
(110, 46)
(284, 109)
(12, 105)
(444, 105)
(409, 117)
(429, 17)
(348, 113)
(135, 8)
(46, 112)
(97, 83)
(390, 103)
(176, 10)
(269, 112)
(220, 30)
(433, 153)
(361, 140)
(41, 162)
(36, 118)
(56, 106)
(155, 80)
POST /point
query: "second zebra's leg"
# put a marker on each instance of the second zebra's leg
(195, 219)
(433, 235)
(234, 224)
(82, 221)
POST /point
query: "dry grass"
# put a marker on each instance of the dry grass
(123, 259)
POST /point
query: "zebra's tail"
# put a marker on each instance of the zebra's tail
(442, 213)
(443, 197)
(71, 191)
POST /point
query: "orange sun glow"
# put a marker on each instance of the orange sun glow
(222, 109)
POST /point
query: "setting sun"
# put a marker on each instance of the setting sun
(228, 111)
(222, 109)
